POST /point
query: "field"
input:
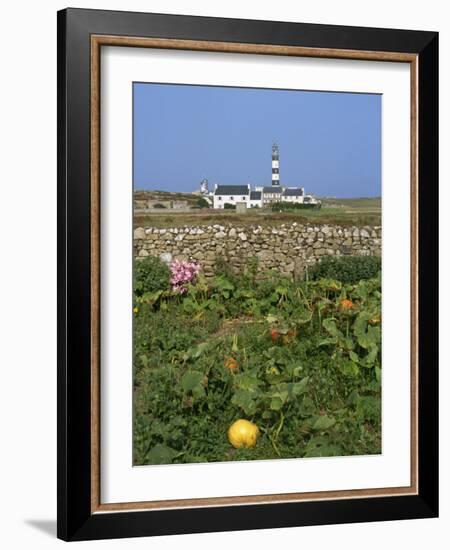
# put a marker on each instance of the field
(367, 204)
(299, 360)
(357, 211)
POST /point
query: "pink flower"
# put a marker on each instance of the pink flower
(182, 273)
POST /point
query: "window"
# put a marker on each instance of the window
(243, 198)
(220, 198)
(232, 198)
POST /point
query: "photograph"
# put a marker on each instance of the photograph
(257, 245)
(247, 261)
(224, 247)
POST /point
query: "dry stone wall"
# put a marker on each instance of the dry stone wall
(289, 247)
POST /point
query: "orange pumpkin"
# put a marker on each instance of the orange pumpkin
(346, 305)
(275, 335)
(231, 364)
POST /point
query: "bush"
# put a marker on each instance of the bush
(244, 276)
(150, 275)
(286, 206)
(223, 267)
(347, 269)
(229, 206)
(202, 203)
(159, 205)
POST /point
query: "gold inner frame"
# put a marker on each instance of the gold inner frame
(97, 41)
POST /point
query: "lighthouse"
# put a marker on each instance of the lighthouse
(204, 187)
(275, 165)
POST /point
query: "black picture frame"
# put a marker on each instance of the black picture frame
(75, 518)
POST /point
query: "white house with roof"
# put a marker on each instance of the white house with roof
(293, 194)
(230, 194)
(270, 194)
(255, 199)
(260, 197)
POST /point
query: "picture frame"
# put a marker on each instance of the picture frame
(81, 36)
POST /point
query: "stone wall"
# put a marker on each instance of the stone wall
(289, 247)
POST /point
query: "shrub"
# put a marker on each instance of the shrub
(347, 269)
(202, 203)
(229, 206)
(159, 205)
(286, 206)
(222, 267)
(150, 275)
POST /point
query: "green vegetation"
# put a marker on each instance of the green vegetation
(347, 269)
(289, 206)
(155, 195)
(357, 203)
(202, 203)
(255, 216)
(300, 360)
(150, 275)
(358, 211)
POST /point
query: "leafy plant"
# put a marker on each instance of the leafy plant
(301, 361)
(346, 269)
(286, 206)
(202, 203)
(150, 275)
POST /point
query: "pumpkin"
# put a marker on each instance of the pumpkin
(231, 364)
(243, 433)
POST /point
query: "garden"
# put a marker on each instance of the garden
(252, 365)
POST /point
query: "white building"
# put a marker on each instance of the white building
(272, 193)
(204, 189)
(255, 199)
(296, 195)
(231, 194)
(309, 199)
(259, 198)
(293, 194)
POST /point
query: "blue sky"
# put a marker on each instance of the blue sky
(330, 143)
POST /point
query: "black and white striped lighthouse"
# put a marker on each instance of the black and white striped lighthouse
(275, 165)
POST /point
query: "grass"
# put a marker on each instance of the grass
(368, 205)
(165, 196)
(334, 211)
(331, 216)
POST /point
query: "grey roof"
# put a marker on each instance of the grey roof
(272, 189)
(255, 195)
(298, 192)
(231, 190)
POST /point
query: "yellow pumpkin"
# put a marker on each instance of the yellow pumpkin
(243, 433)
